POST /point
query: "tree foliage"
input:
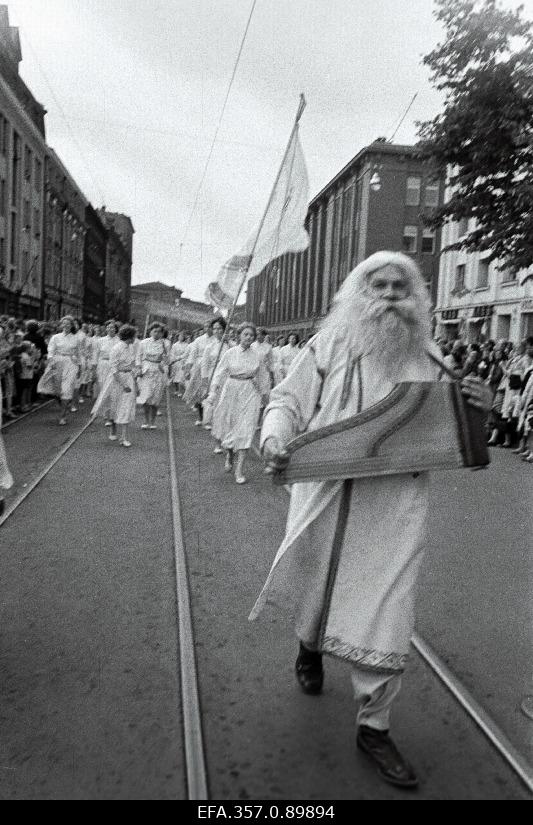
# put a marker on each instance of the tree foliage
(483, 139)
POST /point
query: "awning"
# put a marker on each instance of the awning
(450, 321)
(477, 320)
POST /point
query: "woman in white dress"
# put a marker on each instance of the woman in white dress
(240, 378)
(276, 359)
(62, 370)
(6, 479)
(288, 353)
(118, 396)
(101, 354)
(176, 363)
(193, 396)
(215, 349)
(152, 360)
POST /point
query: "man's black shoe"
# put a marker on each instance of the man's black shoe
(392, 767)
(309, 671)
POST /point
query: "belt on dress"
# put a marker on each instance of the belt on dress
(242, 377)
(153, 360)
(104, 358)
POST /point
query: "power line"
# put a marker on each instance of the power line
(62, 112)
(403, 117)
(211, 150)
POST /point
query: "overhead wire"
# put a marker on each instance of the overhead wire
(217, 130)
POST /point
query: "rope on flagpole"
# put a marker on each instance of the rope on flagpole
(301, 106)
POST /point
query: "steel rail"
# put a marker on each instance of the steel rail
(463, 696)
(195, 764)
(25, 415)
(15, 504)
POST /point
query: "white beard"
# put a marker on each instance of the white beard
(391, 332)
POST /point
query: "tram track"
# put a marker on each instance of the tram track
(20, 418)
(197, 786)
(466, 700)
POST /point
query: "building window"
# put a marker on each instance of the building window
(431, 195)
(37, 175)
(37, 223)
(482, 274)
(27, 163)
(460, 273)
(3, 193)
(463, 227)
(413, 191)
(15, 170)
(3, 135)
(428, 241)
(410, 239)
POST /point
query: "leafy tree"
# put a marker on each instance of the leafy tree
(483, 139)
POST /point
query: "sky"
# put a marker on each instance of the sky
(134, 91)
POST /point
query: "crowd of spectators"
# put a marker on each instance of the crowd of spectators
(507, 369)
(23, 346)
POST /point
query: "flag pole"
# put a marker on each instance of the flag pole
(301, 106)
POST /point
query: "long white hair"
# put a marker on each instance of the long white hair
(358, 319)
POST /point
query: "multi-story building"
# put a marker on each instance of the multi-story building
(378, 201)
(65, 206)
(94, 299)
(478, 301)
(120, 233)
(155, 301)
(22, 158)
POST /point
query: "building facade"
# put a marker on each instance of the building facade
(94, 262)
(378, 201)
(65, 206)
(120, 233)
(476, 300)
(155, 301)
(22, 160)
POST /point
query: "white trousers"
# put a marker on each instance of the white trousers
(374, 693)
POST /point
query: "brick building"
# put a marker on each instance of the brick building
(378, 201)
(22, 157)
(64, 242)
(94, 263)
(120, 233)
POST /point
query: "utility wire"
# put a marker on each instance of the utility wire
(211, 150)
(98, 189)
(403, 118)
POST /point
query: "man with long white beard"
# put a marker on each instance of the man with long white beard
(359, 604)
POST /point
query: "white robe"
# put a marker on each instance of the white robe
(152, 357)
(114, 401)
(358, 606)
(239, 378)
(6, 479)
(61, 373)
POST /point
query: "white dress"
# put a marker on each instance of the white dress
(287, 355)
(193, 393)
(61, 374)
(6, 479)
(208, 364)
(101, 355)
(114, 402)
(152, 358)
(239, 378)
(177, 362)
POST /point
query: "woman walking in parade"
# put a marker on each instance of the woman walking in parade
(176, 363)
(213, 353)
(240, 378)
(6, 479)
(193, 394)
(101, 354)
(118, 397)
(152, 359)
(61, 374)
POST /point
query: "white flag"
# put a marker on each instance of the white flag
(282, 229)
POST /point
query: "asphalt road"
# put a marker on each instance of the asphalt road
(90, 703)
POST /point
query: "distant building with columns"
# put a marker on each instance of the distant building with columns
(377, 201)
